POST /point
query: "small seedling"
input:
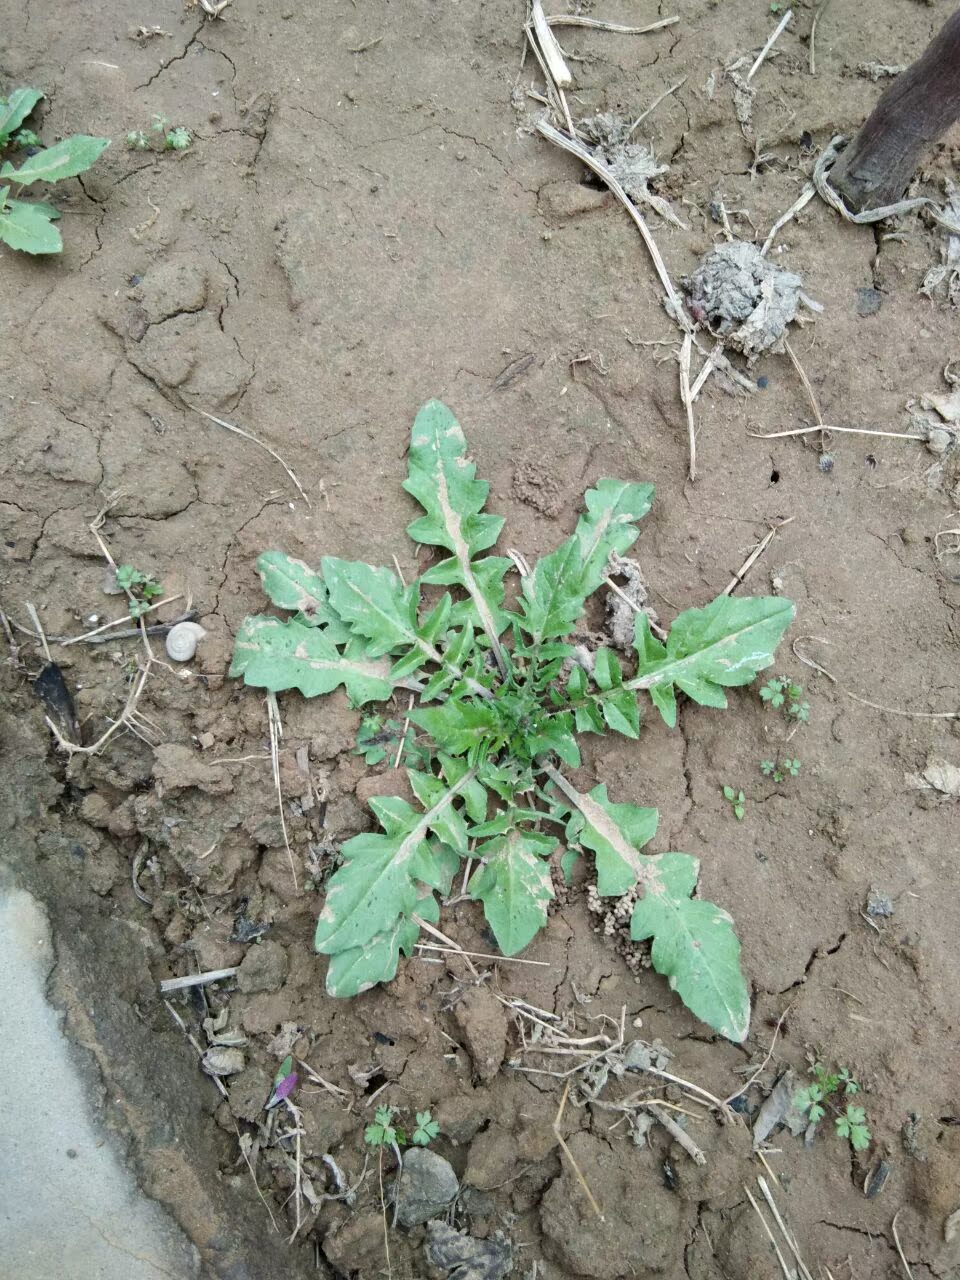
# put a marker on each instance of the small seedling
(501, 699)
(159, 137)
(787, 696)
(379, 739)
(816, 1098)
(141, 588)
(737, 802)
(28, 224)
(779, 770)
(852, 1125)
(426, 1130)
(382, 1132)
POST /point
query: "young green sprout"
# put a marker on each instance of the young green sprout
(786, 695)
(778, 771)
(737, 801)
(816, 1098)
(382, 1133)
(141, 589)
(426, 1130)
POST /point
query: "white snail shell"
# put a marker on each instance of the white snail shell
(182, 640)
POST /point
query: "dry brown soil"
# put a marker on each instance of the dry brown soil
(364, 222)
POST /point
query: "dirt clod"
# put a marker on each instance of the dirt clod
(263, 968)
(482, 1023)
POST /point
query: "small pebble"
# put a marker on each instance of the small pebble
(763, 382)
(879, 906)
(939, 440)
(825, 463)
(869, 301)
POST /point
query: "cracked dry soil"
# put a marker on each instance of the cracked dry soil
(350, 234)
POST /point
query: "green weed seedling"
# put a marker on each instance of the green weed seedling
(786, 695)
(379, 739)
(501, 699)
(27, 225)
(737, 801)
(382, 1132)
(816, 1098)
(141, 589)
(159, 137)
(427, 1129)
(778, 770)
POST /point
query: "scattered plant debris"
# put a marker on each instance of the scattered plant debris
(498, 717)
(744, 298)
(28, 224)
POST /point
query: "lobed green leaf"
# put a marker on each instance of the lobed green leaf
(694, 945)
(276, 655)
(292, 584)
(553, 596)
(379, 887)
(443, 480)
(720, 646)
(514, 885)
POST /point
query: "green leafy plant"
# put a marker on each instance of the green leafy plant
(141, 588)
(736, 800)
(786, 695)
(780, 769)
(852, 1125)
(159, 137)
(816, 1098)
(382, 1133)
(426, 1130)
(379, 739)
(501, 698)
(27, 225)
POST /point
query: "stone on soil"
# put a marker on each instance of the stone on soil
(428, 1185)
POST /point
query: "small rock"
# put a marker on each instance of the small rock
(427, 1186)
(939, 440)
(249, 1093)
(220, 1060)
(466, 1258)
(483, 1025)
(263, 968)
(879, 905)
(869, 301)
